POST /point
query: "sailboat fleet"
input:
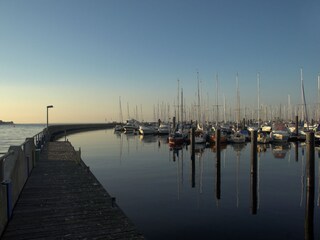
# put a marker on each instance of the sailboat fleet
(239, 131)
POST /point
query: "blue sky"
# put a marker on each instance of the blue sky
(80, 56)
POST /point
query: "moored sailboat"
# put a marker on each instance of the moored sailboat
(279, 133)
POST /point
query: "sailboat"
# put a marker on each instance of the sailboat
(237, 136)
(177, 137)
(263, 137)
(200, 134)
(119, 127)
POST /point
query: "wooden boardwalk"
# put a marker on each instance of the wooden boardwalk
(63, 200)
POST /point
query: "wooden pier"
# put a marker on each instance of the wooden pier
(63, 200)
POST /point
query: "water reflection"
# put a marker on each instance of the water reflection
(280, 150)
(214, 189)
(148, 138)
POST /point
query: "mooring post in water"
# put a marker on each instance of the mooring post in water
(309, 215)
(253, 147)
(310, 159)
(253, 171)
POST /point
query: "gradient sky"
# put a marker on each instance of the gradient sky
(82, 55)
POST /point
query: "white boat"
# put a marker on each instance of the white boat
(163, 129)
(253, 127)
(237, 137)
(279, 133)
(266, 127)
(118, 128)
(263, 137)
(131, 126)
(200, 136)
(147, 130)
(317, 133)
(317, 136)
(176, 139)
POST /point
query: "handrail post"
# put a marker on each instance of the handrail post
(1, 169)
(8, 185)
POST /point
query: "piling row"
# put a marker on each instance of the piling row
(310, 171)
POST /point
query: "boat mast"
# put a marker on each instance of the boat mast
(289, 108)
(318, 110)
(178, 101)
(238, 101)
(128, 110)
(217, 87)
(303, 98)
(199, 110)
(181, 105)
(136, 113)
(224, 108)
(258, 83)
(121, 117)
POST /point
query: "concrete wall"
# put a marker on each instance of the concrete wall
(15, 167)
(58, 131)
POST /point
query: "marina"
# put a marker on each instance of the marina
(194, 191)
(169, 196)
(160, 120)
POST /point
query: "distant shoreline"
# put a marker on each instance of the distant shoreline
(6, 123)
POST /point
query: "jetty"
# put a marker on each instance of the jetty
(59, 198)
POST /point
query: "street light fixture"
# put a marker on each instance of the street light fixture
(50, 106)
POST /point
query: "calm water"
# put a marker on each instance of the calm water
(17, 134)
(168, 197)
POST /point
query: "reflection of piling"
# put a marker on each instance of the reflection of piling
(217, 142)
(192, 143)
(193, 173)
(218, 177)
(296, 145)
(297, 126)
(218, 152)
(254, 191)
(308, 227)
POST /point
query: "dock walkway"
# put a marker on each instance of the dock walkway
(63, 200)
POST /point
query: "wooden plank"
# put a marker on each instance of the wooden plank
(63, 200)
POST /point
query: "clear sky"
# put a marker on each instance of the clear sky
(82, 55)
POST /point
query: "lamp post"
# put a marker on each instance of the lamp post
(50, 106)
